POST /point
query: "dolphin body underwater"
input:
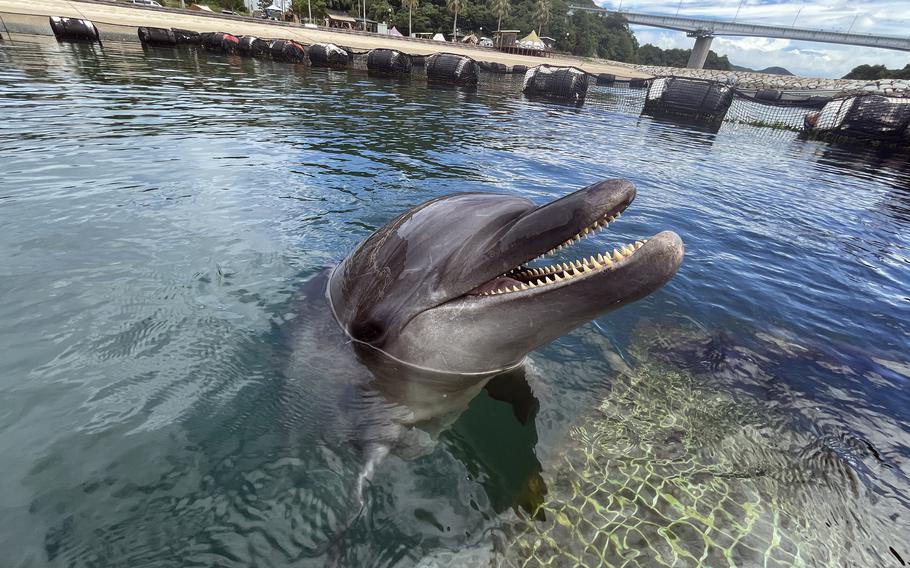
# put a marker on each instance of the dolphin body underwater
(444, 298)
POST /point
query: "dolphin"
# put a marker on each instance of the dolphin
(449, 286)
(449, 298)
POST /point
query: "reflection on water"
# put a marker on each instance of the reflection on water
(162, 209)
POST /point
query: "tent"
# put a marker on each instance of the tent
(394, 32)
(439, 37)
(200, 8)
(532, 40)
(275, 8)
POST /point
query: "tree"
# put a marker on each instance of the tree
(411, 4)
(500, 9)
(454, 6)
(541, 13)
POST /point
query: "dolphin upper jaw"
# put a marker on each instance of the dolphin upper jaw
(448, 286)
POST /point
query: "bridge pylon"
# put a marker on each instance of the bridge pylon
(699, 55)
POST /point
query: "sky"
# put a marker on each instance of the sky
(886, 17)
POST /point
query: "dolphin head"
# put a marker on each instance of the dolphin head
(457, 284)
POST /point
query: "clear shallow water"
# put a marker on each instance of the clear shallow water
(159, 210)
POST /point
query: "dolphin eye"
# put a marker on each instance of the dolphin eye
(367, 331)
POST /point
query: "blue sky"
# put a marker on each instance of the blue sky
(888, 17)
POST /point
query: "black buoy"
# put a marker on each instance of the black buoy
(288, 51)
(220, 42)
(606, 79)
(252, 46)
(329, 55)
(157, 36)
(451, 68)
(187, 36)
(388, 62)
(72, 29)
(567, 84)
(519, 69)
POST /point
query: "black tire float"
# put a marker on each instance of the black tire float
(157, 36)
(329, 55)
(73, 29)
(606, 79)
(451, 68)
(388, 63)
(251, 46)
(519, 69)
(566, 84)
(187, 36)
(287, 51)
(220, 42)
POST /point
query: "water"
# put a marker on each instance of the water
(160, 210)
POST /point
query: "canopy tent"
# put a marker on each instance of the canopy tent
(394, 32)
(532, 40)
(200, 8)
(439, 37)
(275, 8)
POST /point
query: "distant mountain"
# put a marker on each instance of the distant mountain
(768, 70)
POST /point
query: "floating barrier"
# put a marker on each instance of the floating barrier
(252, 46)
(187, 36)
(638, 83)
(72, 29)
(606, 79)
(451, 68)
(388, 62)
(692, 99)
(288, 51)
(329, 55)
(495, 68)
(519, 69)
(767, 95)
(567, 84)
(220, 42)
(864, 118)
(157, 36)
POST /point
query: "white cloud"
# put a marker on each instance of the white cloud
(886, 17)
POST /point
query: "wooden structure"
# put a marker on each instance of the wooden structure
(507, 42)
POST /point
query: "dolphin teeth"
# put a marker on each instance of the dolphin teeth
(600, 258)
(627, 250)
(540, 282)
(606, 260)
(596, 224)
(612, 218)
(616, 256)
(558, 278)
(591, 260)
(587, 230)
(638, 245)
(515, 288)
(524, 286)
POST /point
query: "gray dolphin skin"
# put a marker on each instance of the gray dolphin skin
(450, 286)
(447, 300)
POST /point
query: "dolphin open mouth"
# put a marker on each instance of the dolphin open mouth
(529, 277)
(623, 272)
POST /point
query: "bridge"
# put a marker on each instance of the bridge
(705, 30)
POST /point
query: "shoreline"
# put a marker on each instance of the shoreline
(118, 21)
